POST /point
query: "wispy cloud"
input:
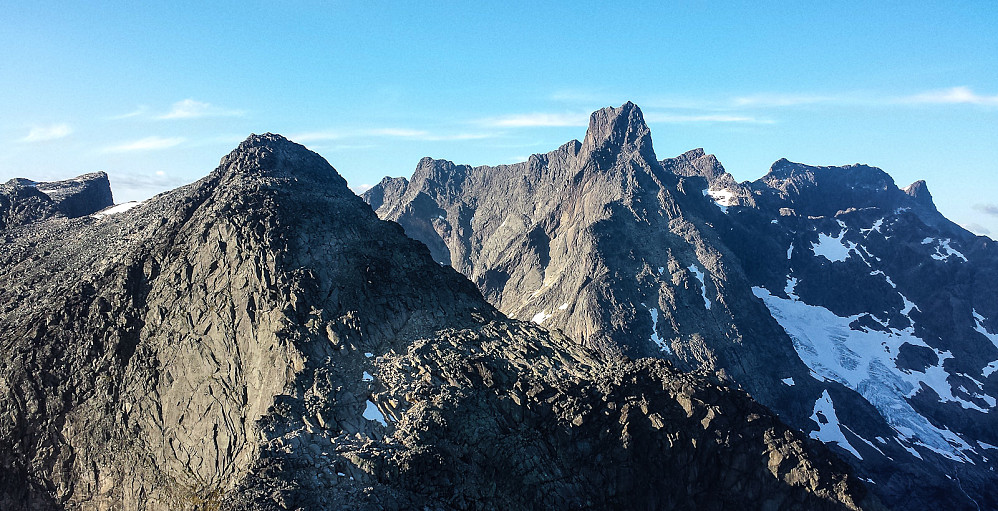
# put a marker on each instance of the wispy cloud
(950, 96)
(977, 229)
(987, 209)
(397, 132)
(45, 133)
(316, 136)
(192, 109)
(953, 95)
(541, 119)
(659, 117)
(138, 112)
(456, 136)
(580, 96)
(405, 133)
(769, 100)
(184, 109)
(538, 119)
(157, 181)
(145, 144)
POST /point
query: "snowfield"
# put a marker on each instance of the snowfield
(865, 361)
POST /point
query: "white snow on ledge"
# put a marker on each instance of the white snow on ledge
(662, 345)
(943, 249)
(723, 198)
(866, 363)
(703, 286)
(828, 424)
(979, 326)
(789, 381)
(833, 248)
(118, 208)
(540, 317)
(372, 413)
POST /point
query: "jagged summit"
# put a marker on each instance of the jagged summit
(616, 131)
(273, 156)
(260, 340)
(696, 162)
(826, 292)
(853, 176)
(23, 200)
(919, 191)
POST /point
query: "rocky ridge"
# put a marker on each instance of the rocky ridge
(23, 200)
(849, 306)
(260, 340)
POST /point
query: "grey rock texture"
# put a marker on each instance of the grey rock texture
(261, 340)
(23, 201)
(883, 266)
(673, 258)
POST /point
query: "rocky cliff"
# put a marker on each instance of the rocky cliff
(23, 200)
(261, 340)
(850, 307)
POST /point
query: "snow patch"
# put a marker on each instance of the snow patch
(703, 286)
(943, 249)
(118, 208)
(866, 363)
(563, 306)
(723, 199)
(661, 269)
(875, 227)
(979, 326)
(368, 354)
(790, 287)
(790, 251)
(828, 425)
(372, 413)
(833, 248)
(540, 317)
(367, 377)
(789, 382)
(662, 345)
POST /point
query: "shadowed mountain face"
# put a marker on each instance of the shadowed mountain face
(849, 306)
(261, 340)
(23, 200)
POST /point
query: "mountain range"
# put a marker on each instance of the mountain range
(851, 308)
(591, 328)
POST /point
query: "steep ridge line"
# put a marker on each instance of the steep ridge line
(261, 340)
(822, 291)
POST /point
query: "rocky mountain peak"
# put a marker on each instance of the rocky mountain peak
(24, 201)
(260, 340)
(616, 131)
(270, 157)
(920, 192)
(696, 162)
(823, 191)
(853, 176)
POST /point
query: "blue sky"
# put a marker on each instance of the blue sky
(155, 95)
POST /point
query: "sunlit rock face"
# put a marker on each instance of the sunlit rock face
(261, 340)
(848, 305)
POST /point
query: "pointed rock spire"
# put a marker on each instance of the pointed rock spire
(919, 191)
(616, 131)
